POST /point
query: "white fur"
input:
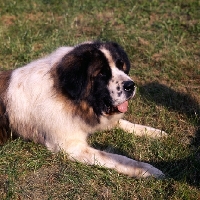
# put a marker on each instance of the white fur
(118, 77)
(32, 104)
(108, 56)
(36, 112)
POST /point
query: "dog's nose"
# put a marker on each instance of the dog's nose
(129, 86)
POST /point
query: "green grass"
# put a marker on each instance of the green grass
(162, 39)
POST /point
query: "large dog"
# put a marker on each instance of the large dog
(59, 99)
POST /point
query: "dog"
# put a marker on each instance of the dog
(58, 100)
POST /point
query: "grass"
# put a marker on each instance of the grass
(162, 39)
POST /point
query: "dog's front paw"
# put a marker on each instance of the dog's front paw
(150, 171)
(155, 133)
(141, 130)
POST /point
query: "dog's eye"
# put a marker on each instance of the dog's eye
(120, 64)
(101, 74)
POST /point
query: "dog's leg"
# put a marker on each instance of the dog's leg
(83, 153)
(140, 130)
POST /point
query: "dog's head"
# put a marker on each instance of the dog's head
(97, 73)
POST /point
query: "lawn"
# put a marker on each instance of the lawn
(162, 40)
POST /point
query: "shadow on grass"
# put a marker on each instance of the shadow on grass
(187, 169)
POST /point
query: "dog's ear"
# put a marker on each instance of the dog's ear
(72, 72)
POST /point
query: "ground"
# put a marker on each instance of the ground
(162, 39)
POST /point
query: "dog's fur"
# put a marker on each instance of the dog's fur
(59, 99)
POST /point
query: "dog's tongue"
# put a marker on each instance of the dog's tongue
(123, 107)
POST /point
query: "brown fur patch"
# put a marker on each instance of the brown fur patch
(86, 112)
(5, 132)
(82, 108)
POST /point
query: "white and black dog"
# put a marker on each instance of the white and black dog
(60, 99)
